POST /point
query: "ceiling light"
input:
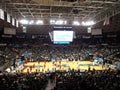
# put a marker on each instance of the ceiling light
(88, 23)
(60, 22)
(31, 22)
(76, 23)
(52, 21)
(24, 21)
(39, 22)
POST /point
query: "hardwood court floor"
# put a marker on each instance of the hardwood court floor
(63, 65)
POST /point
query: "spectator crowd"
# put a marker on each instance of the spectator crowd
(63, 80)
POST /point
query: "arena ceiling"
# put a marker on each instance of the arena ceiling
(82, 10)
(68, 9)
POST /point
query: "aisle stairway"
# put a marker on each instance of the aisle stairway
(50, 85)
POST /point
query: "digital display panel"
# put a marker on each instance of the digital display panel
(61, 42)
(63, 36)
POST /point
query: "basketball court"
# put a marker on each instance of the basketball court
(63, 65)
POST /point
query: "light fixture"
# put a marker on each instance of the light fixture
(39, 22)
(31, 22)
(24, 21)
(61, 22)
(76, 23)
(88, 23)
(58, 22)
(52, 21)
